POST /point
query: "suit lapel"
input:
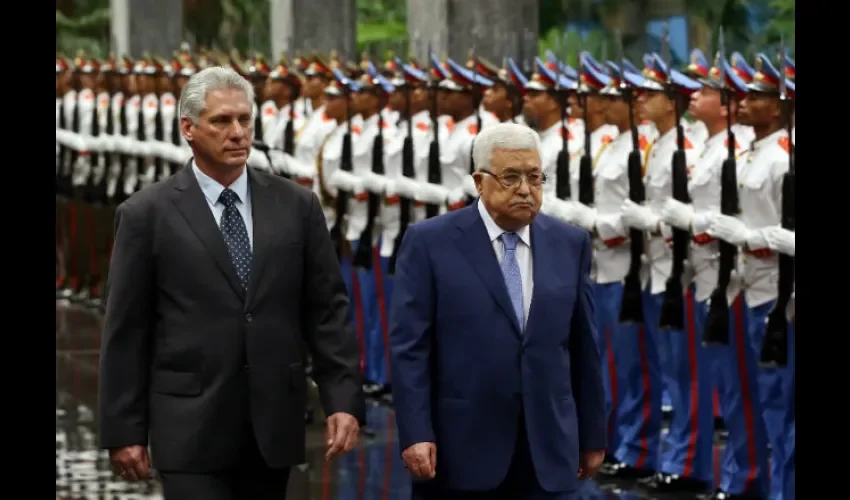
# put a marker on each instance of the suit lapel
(262, 213)
(190, 202)
(475, 245)
(544, 259)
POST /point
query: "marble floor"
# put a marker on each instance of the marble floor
(373, 471)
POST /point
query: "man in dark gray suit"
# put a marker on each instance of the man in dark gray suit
(218, 275)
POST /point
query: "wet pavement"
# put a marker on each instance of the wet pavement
(373, 471)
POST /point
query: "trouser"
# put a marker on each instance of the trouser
(638, 415)
(352, 285)
(686, 374)
(775, 385)
(377, 340)
(789, 469)
(744, 465)
(608, 297)
(251, 479)
(367, 295)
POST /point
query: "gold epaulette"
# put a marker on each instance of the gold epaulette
(599, 154)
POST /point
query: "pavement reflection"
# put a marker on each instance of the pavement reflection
(373, 471)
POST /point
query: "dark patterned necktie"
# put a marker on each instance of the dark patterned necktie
(236, 236)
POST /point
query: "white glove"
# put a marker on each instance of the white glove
(638, 216)
(455, 196)
(581, 215)
(730, 229)
(374, 183)
(781, 240)
(677, 214)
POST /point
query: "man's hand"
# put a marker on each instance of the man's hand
(589, 463)
(421, 460)
(131, 462)
(341, 432)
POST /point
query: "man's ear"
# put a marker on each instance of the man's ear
(186, 128)
(478, 177)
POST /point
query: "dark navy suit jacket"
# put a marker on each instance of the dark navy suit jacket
(462, 371)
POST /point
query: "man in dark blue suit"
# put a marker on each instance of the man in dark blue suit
(496, 375)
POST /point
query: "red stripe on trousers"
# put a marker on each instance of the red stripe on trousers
(741, 337)
(647, 400)
(612, 375)
(382, 306)
(694, 382)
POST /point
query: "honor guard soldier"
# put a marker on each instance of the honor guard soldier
(744, 469)
(368, 218)
(684, 377)
(635, 419)
(458, 96)
(311, 138)
(282, 89)
(545, 105)
(388, 71)
(760, 180)
(87, 71)
(70, 143)
(504, 98)
(697, 69)
(408, 171)
(148, 72)
(791, 74)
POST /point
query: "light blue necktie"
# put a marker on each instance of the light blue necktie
(513, 278)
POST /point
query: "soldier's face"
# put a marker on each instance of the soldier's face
(180, 82)
(514, 206)
(336, 108)
(538, 104)
(314, 86)
(224, 130)
(576, 111)
(496, 99)
(654, 106)
(88, 80)
(397, 101)
(759, 109)
(705, 105)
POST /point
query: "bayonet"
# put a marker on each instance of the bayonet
(783, 91)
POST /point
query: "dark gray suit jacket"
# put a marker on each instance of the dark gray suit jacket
(186, 352)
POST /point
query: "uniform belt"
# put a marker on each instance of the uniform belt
(759, 253)
(703, 239)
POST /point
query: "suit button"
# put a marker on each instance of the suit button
(249, 317)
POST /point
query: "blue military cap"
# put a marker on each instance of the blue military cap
(439, 70)
(408, 75)
(339, 83)
(647, 60)
(766, 78)
(698, 67)
(460, 79)
(733, 80)
(740, 66)
(554, 64)
(516, 75)
(635, 80)
(372, 80)
(611, 68)
(628, 65)
(544, 79)
(592, 77)
(658, 76)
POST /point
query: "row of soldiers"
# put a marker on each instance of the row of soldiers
(692, 217)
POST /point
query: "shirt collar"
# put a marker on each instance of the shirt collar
(495, 232)
(212, 189)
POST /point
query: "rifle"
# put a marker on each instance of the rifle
(289, 130)
(585, 167)
(672, 314)
(363, 256)
(407, 170)
(435, 173)
(717, 322)
(774, 350)
(346, 166)
(631, 306)
(563, 186)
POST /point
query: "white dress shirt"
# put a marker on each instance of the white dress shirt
(523, 254)
(212, 190)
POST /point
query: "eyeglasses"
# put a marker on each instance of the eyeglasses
(512, 180)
